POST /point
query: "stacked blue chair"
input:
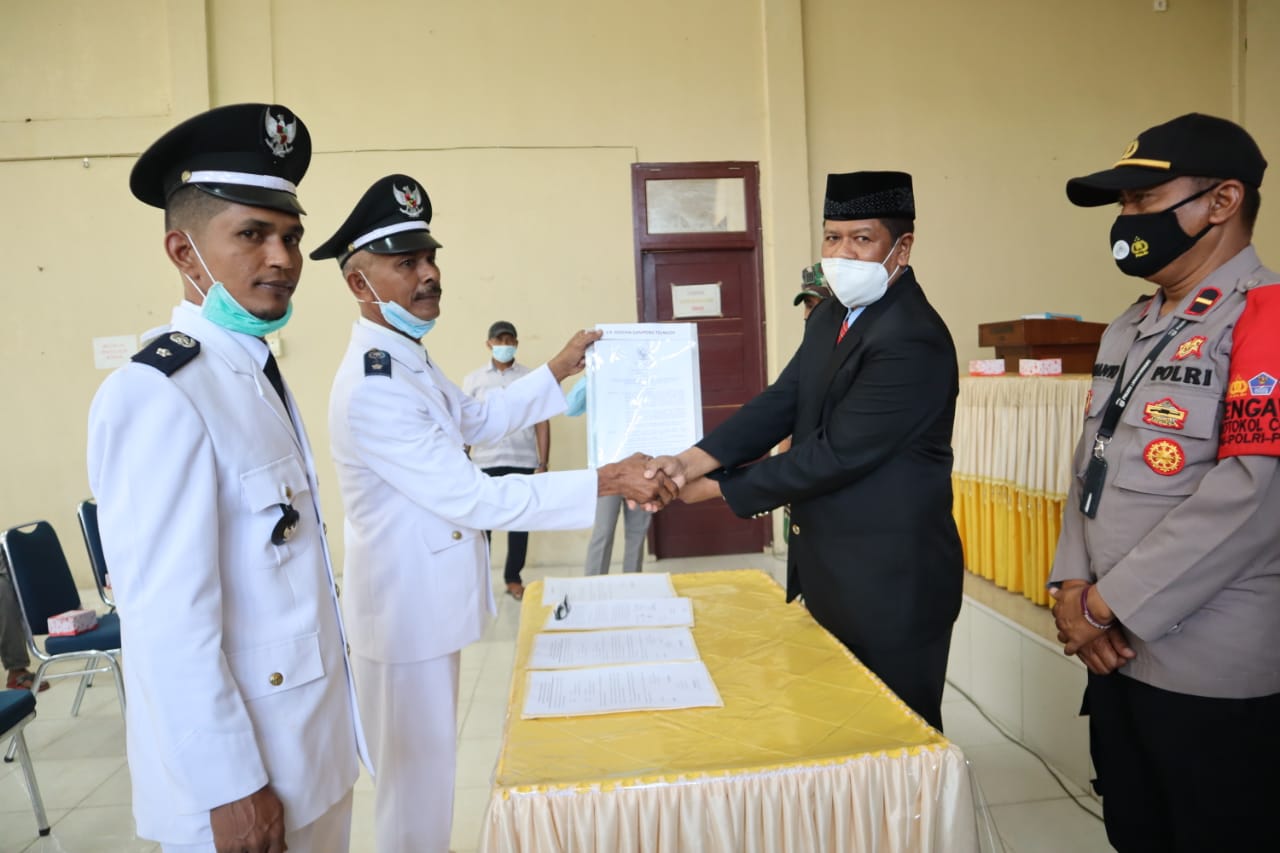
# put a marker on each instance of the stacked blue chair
(17, 708)
(87, 512)
(44, 586)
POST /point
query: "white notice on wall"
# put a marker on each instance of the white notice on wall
(614, 689)
(114, 351)
(695, 300)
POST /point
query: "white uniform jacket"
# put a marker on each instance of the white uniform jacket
(417, 564)
(235, 662)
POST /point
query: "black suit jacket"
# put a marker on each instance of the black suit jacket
(873, 548)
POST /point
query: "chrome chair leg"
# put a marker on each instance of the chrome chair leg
(33, 788)
(85, 681)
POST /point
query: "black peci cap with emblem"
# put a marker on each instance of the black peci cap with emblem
(254, 154)
(392, 217)
(869, 195)
(1193, 145)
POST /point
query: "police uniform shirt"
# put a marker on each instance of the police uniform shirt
(516, 450)
(1185, 547)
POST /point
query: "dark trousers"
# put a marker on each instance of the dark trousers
(1184, 773)
(517, 540)
(917, 675)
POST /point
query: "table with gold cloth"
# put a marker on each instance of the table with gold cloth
(809, 752)
(1014, 438)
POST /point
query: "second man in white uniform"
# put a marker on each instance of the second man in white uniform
(417, 565)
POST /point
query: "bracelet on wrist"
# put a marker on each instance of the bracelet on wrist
(1088, 617)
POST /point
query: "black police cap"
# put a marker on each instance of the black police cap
(254, 154)
(391, 218)
(1193, 145)
(869, 195)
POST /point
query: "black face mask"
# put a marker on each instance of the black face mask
(1145, 243)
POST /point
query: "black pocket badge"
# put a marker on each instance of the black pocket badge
(288, 523)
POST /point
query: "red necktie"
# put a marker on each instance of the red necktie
(844, 327)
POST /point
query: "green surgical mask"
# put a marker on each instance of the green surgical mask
(222, 309)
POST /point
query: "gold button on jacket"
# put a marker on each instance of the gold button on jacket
(276, 679)
(457, 534)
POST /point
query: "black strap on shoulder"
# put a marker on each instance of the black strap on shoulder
(377, 362)
(169, 352)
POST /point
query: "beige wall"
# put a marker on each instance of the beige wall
(522, 120)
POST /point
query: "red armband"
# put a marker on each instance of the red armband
(1251, 410)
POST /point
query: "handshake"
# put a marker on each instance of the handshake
(653, 482)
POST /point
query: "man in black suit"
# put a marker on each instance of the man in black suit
(869, 399)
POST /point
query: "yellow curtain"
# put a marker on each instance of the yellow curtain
(1014, 439)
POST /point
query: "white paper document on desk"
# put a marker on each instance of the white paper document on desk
(607, 588)
(568, 650)
(607, 615)
(614, 689)
(644, 391)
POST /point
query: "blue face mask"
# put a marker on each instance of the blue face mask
(504, 354)
(398, 316)
(576, 399)
(222, 309)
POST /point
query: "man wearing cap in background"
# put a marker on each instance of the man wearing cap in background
(869, 399)
(242, 727)
(417, 565)
(811, 291)
(524, 451)
(1167, 574)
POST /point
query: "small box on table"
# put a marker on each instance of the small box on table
(1040, 366)
(986, 367)
(72, 622)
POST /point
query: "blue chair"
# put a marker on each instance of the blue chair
(44, 586)
(87, 512)
(17, 708)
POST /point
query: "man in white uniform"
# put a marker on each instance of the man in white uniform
(417, 566)
(242, 727)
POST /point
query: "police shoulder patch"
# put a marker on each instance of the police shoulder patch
(1251, 415)
(377, 362)
(169, 352)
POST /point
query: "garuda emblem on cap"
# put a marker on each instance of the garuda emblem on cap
(280, 133)
(409, 199)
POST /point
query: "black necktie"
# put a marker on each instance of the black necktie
(272, 370)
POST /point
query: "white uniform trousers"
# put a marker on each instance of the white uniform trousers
(410, 715)
(329, 833)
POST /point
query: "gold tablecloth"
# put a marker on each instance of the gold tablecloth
(810, 751)
(1013, 440)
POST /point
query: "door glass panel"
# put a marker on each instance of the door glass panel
(696, 205)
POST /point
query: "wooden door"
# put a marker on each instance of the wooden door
(699, 224)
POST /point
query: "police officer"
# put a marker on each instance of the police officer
(1167, 573)
(417, 565)
(242, 726)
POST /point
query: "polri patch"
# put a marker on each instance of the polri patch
(1262, 385)
(1165, 457)
(377, 362)
(169, 352)
(1191, 346)
(1165, 414)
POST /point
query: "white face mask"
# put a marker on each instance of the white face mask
(856, 282)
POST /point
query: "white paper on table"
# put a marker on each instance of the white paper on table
(644, 391)
(614, 689)
(608, 588)
(603, 615)
(609, 648)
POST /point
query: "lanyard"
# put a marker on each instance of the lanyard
(1096, 474)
